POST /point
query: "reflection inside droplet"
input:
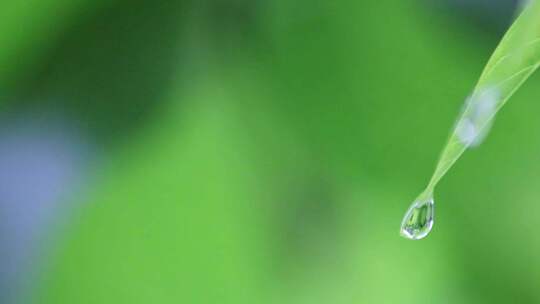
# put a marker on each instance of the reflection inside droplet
(418, 220)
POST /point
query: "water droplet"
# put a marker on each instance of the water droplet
(418, 220)
(476, 120)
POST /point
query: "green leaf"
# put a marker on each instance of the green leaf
(514, 60)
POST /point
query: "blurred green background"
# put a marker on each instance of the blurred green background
(235, 151)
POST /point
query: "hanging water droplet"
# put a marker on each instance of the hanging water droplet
(418, 220)
(477, 117)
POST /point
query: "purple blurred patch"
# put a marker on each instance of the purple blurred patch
(43, 160)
